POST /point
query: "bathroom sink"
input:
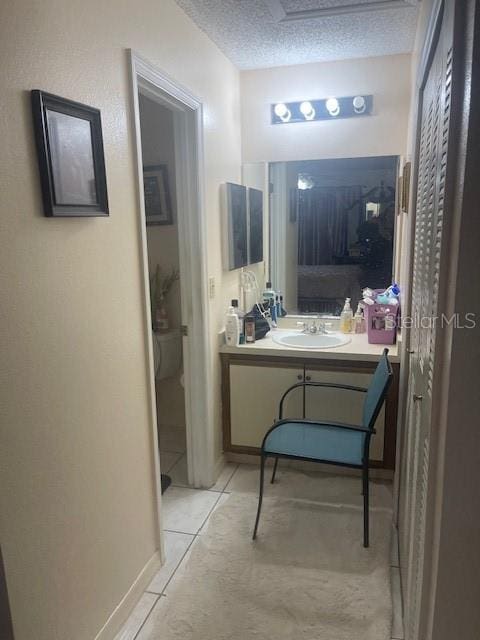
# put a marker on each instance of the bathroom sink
(309, 340)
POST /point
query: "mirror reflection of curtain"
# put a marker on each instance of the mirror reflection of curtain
(324, 214)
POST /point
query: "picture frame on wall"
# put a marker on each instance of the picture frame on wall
(156, 188)
(255, 225)
(235, 226)
(71, 158)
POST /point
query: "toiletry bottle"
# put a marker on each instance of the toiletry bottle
(277, 304)
(283, 313)
(273, 311)
(269, 293)
(241, 318)
(249, 329)
(232, 329)
(393, 291)
(359, 320)
(346, 318)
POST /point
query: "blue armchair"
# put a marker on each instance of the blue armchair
(329, 442)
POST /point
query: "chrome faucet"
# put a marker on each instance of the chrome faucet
(322, 327)
(315, 326)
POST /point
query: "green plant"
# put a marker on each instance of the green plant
(160, 285)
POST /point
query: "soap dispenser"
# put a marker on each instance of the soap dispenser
(346, 318)
(359, 320)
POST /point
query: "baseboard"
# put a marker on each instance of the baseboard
(129, 600)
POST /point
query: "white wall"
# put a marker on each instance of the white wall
(383, 133)
(78, 514)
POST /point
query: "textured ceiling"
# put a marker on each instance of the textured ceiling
(266, 33)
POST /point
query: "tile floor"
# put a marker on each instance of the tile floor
(172, 439)
(186, 514)
(173, 453)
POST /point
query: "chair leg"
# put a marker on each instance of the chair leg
(260, 495)
(274, 470)
(366, 523)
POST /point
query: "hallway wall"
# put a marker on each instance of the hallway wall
(77, 501)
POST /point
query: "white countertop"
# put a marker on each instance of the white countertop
(357, 349)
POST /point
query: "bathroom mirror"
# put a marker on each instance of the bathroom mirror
(331, 226)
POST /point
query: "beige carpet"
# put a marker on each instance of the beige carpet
(307, 576)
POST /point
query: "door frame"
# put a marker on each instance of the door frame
(192, 232)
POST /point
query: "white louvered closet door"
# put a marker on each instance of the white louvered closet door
(432, 165)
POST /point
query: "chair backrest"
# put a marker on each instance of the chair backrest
(377, 391)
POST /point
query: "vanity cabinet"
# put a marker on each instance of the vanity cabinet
(253, 385)
(255, 391)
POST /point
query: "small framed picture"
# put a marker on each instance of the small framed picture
(70, 156)
(405, 193)
(236, 226)
(158, 204)
(255, 220)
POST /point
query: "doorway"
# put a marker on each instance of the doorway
(161, 217)
(168, 126)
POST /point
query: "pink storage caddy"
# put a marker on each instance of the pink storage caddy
(381, 321)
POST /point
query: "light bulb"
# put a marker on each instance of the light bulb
(307, 110)
(332, 106)
(305, 181)
(359, 104)
(282, 111)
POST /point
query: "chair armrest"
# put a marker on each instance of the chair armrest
(336, 425)
(331, 385)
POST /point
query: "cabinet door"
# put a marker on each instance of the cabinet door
(342, 405)
(255, 393)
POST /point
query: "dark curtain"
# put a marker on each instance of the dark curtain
(324, 217)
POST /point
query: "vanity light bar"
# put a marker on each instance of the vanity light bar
(327, 109)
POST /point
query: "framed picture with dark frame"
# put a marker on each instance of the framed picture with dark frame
(156, 188)
(70, 156)
(255, 225)
(235, 225)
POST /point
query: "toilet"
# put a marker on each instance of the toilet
(167, 354)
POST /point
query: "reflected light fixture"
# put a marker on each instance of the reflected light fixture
(305, 181)
(307, 110)
(283, 112)
(332, 106)
(359, 104)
